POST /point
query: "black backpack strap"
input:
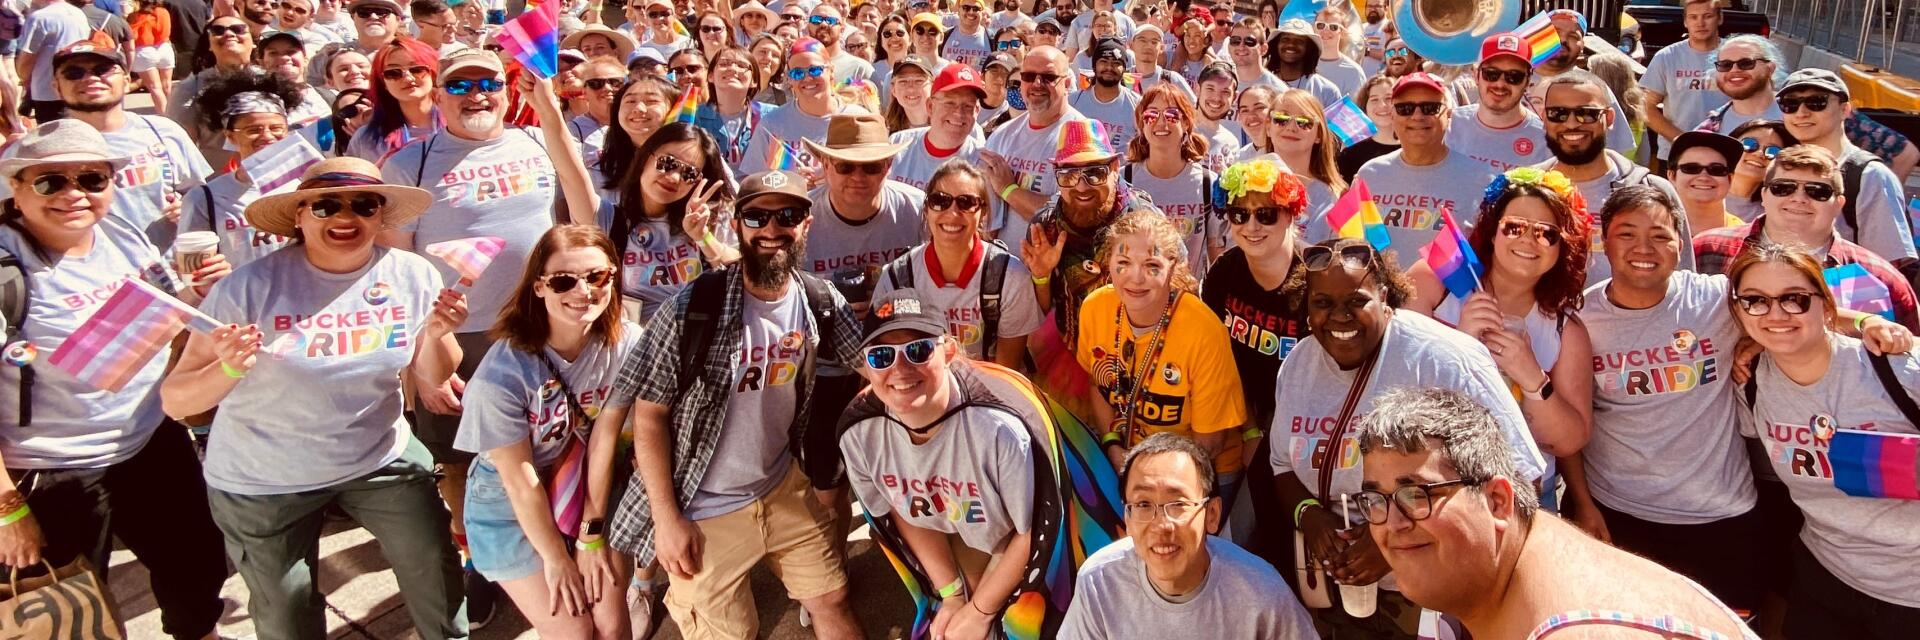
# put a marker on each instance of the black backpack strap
(1852, 168)
(420, 172)
(14, 292)
(992, 280)
(1751, 389)
(900, 271)
(1883, 369)
(820, 304)
(698, 324)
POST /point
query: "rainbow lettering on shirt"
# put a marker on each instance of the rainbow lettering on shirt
(339, 334)
(486, 183)
(772, 365)
(1255, 328)
(1412, 211)
(1311, 452)
(1793, 449)
(144, 168)
(1658, 370)
(958, 500)
(678, 264)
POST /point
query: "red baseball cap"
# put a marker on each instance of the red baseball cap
(1505, 44)
(1418, 79)
(959, 76)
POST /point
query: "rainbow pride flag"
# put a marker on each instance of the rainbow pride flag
(1541, 38)
(135, 324)
(1452, 259)
(1349, 122)
(1867, 464)
(469, 257)
(1854, 288)
(688, 109)
(780, 155)
(533, 38)
(1355, 215)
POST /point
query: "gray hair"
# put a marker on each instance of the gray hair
(1170, 443)
(1767, 48)
(1407, 418)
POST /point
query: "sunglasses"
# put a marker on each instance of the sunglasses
(1585, 115)
(370, 13)
(925, 31)
(1783, 188)
(365, 205)
(1751, 145)
(89, 181)
(562, 281)
(676, 167)
(1511, 76)
(687, 69)
(893, 34)
(1714, 169)
(1406, 109)
(494, 48)
(970, 8)
(465, 86)
(397, 74)
(1399, 52)
(792, 18)
(353, 110)
(712, 29)
(77, 72)
(1326, 26)
(1048, 30)
(1269, 216)
(1032, 77)
(937, 201)
(788, 217)
(1745, 64)
(1004, 45)
(1243, 41)
(1303, 122)
(1092, 176)
(828, 21)
(659, 15)
(600, 84)
(797, 73)
(1544, 234)
(217, 30)
(1795, 303)
(868, 168)
(1815, 104)
(1318, 258)
(1169, 114)
(918, 352)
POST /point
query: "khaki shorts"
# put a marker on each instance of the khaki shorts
(789, 528)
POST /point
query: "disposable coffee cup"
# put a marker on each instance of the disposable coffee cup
(192, 248)
(1361, 601)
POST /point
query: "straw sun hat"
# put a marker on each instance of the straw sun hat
(276, 213)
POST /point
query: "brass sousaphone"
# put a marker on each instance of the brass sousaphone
(1450, 31)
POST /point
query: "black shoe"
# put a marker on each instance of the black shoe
(481, 598)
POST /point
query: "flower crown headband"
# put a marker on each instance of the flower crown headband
(1260, 175)
(1552, 181)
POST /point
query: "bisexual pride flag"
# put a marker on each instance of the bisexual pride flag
(136, 324)
(468, 256)
(533, 38)
(1349, 122)
(1875, 465)
(1452, 259)
(1854, 288)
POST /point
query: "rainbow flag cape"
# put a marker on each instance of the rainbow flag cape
(1075, 513)
(1355, 215)
(1854, 288)
(1541, 38)
(136, 324)
(1868, 464)
(533, 38)
(1349, 122)
(687, 110)
(1452, 259)
(469, 257)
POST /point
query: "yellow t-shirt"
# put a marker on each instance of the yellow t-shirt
(1193, 387)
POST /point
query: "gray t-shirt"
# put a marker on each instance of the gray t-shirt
(1869, 543)
(1020, 312)
(75, 425)
(1186, 200)
(1882, 214)
(356, 331)
(1116, 115)
(657, 262)
(850, 67)
(973, 478)
(1732, 118)
(1322, 88)
(1665, 444)
(1685, 76)
(220, 206)
(788, 125)
(915, 165)
(1346, 75)
(1029, 153)
(1243, 597)
(513, 396)
(504, 187)
(752, 456)
(850, 254)
(1411, 198)
(1520, 145)
(49, 29)
(161, 160)
(966, 48)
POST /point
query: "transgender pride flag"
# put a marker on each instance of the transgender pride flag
(1854, 288)
(125, 333)
(534, 39)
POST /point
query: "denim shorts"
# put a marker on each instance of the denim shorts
(499, 549)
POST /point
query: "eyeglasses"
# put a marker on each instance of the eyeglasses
(1303, 122)
(1004, 45)
(890, 33)
(1178, 511)
(397, 74)
(1756, 305)
(788, 217)
(1092, 176)
(1815, 104)
(1514, 77)
(1406, 109)
(881, 357)
(365, 205)
(1714, 169)
(1544, 234)
(1318, 258)
(89, 181)
(1783, 188)
(1169, 114)
(659, 15)
(937, 201)
(797, 73)
(78, 72)
(707, 28)
(1584, 115)
(1269, 216)
(925, 31)
(827, 21)
(563, 281)
(217, 30)
(1031, 77)
(352, 110)
(676, 167)
(278, 130)
(869, 168)
(1745, 64)
(371, 13)
(1243, 41)
(1399, 52)
(601, 84)
(465, 86)
(1751, 145)
(1415, 500)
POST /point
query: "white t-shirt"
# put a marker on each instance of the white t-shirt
(1186, 199)
(220, 206)
(1117, 114)
(974, 478)
(1029, 152)
(356, 331)
(46, 31)
(513, 396)
(1521, 145)
(966, 48)
(1346, 75)
(751, 454)
(1322, 88)
(915, 165)
(1020, 312)
(1411, 198)
(1243, 597)
(1685, 76)
(1665, 444)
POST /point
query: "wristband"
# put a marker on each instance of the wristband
(976, 609)
(1044, 280)
(590, 545)
(1302, 509)
(1110, 437)
(16, 516)
(709, 239)
(1860, 323)
(1010, 187)
(1249, 434)
(230, 371)
(953, 589)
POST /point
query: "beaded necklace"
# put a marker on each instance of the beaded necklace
(1121, 360)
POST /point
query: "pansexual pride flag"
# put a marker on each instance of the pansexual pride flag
(1854, 288)
(1452, 259)
(1349, 122)
(533, 38)
(468, 256)
(1875, 465)
(135, 325)
(1355, 215)
(1541, 38)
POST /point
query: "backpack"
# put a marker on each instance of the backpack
(993, 278)
(703, 316)
(14, 291)
(1853, 167)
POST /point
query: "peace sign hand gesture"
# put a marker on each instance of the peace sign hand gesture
(700, 208)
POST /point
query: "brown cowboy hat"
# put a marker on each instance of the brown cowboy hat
(857, 138)
(276, 213)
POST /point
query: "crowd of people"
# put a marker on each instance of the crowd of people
(1104, 318)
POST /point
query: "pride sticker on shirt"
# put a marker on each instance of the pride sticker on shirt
(764, 366)
(1860, 462)
(1687, 362)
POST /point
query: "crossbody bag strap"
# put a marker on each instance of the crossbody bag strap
(1898, 393)
(1347, 407)
(575, 412)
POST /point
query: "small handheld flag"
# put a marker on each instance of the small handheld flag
(533, 38)
(780, 155)
(1355, 215)
(1349, 122)
(688, 109)
(1542, 39)
(1452, 259)
(134, 325)
(468, 256)
(278, 166)
(1854, 288)
(1875, 465)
